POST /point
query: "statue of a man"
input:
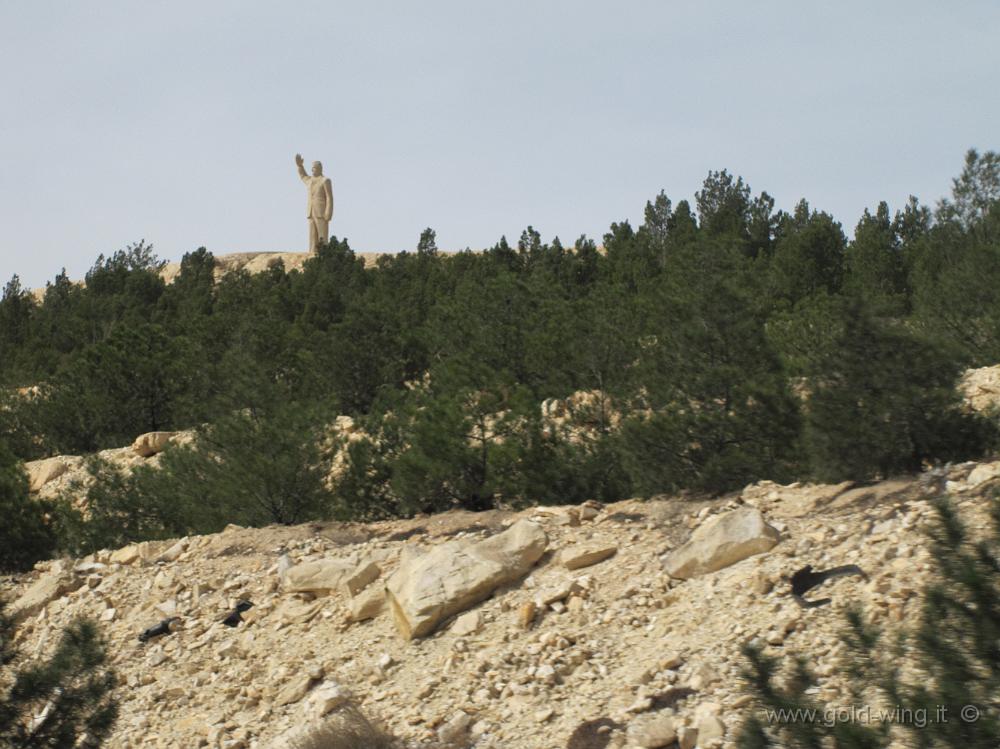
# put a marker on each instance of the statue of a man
(320, 207)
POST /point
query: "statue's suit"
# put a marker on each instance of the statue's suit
(319, 208)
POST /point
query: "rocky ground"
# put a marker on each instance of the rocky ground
(550, 627)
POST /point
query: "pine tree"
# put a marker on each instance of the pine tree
(949, 687)
(883, 402)
(62, 702)
(26, 533)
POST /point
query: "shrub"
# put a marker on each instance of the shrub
(26, 533)
(952, 662)
(71, 691)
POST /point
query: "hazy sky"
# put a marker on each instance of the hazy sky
(177, 122)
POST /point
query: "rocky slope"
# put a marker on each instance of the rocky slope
(551, 627)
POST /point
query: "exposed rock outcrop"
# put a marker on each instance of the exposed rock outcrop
(554, 657)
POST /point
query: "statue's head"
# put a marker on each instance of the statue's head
(317, 169)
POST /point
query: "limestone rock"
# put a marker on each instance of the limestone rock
(294, 690)
(653, 731)
(41, 472)
(467, 624)
(360, 578)
(321, 577)
(710, 728)
(584, 555)
(43, 591)
(174, 552)
(453, 731)
(327, 697)
(981, 387)
(453, 576)
(721, 541)
(982, 473)
(368, 604)
(687, 737)
(526, 614)
(141, 552)
(151, 443)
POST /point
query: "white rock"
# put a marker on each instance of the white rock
(453, 576)
(151, 443)
(321, 577)
(467, 624)
(721, 541)
(41, 472)
(584, 555)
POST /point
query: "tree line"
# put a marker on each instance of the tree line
(730, 341)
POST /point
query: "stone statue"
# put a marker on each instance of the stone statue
(320, 207)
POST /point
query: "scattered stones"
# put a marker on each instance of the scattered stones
(537, 661)
(49, 587)
(294, 690)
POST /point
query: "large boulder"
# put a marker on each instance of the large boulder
(151, 443)
(321, 577)
(41, 472)
(981, 387)
(721, 541)
(50, 586)
(426, 590)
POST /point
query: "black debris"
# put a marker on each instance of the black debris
(233, 618)
(163, 628)
(805, 579)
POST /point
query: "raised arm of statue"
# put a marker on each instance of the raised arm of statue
(328, 188)
(302, 170)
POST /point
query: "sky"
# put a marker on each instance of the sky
(177, 123)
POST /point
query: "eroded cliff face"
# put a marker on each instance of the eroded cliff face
(544, 625)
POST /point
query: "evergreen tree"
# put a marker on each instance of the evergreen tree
(16, 311)
(808, 255)
(62, 702)
(713, 406)
(26, 534)
(885, 401)
(875, 265)
(951, 657)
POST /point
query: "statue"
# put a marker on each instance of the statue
(320, 207)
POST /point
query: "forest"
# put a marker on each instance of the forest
(721, 342)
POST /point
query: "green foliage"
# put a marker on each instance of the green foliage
(26, 534)
(72, 689)
(463, 441)
(876, 269)
(132, 382)
(884, 402)
(698, 326)
(252, 468)
(952, 662)
(717, 409)
(808, 255)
